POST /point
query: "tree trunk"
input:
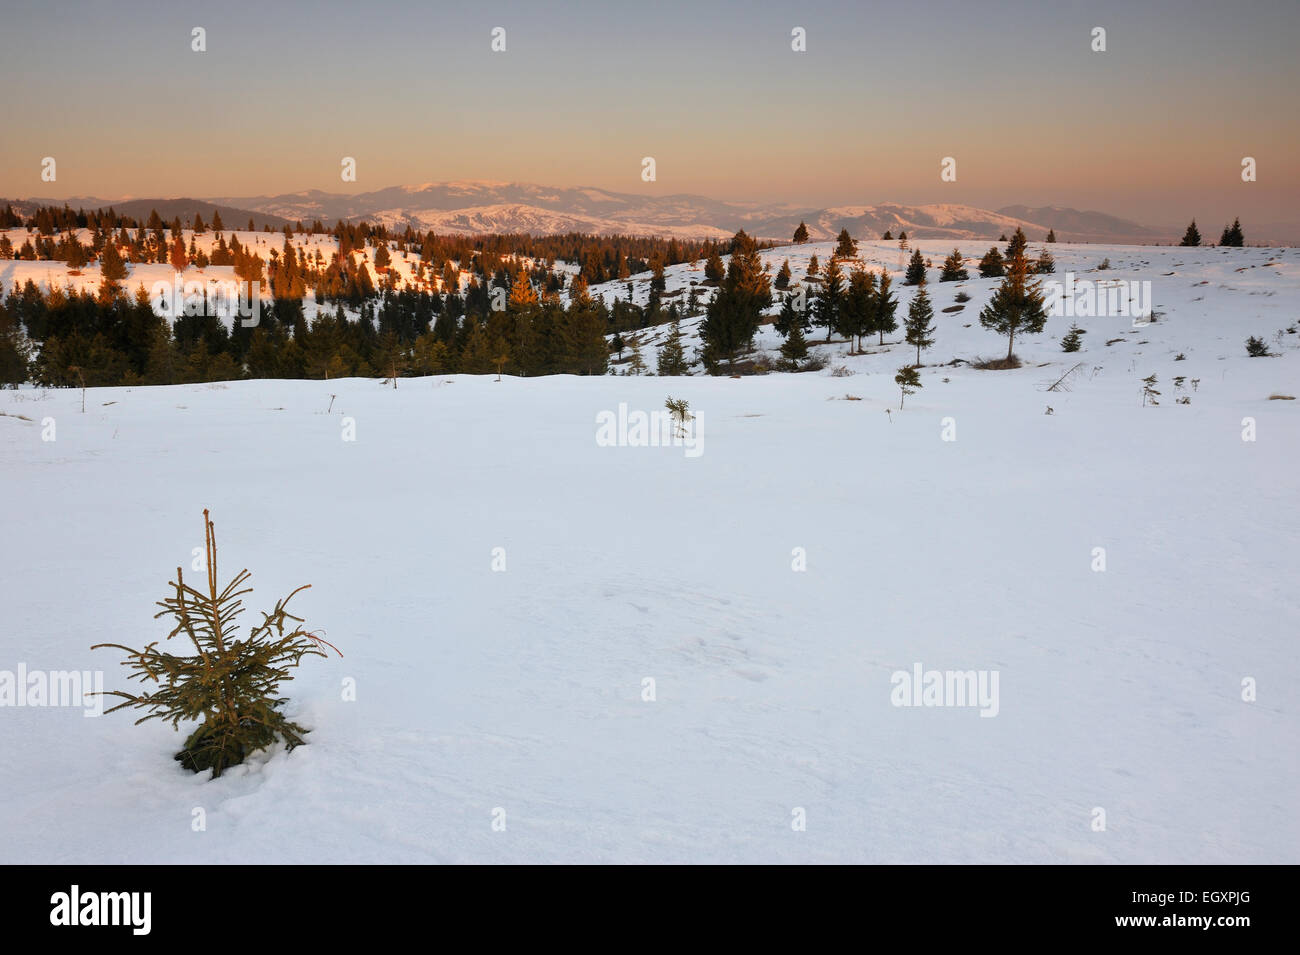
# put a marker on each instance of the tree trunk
(1011, 339)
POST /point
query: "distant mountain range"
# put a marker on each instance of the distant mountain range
(468, 208)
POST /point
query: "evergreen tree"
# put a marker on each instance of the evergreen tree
(1051, 235)
(713, 267)
(991, 264)
(1017, 304)
(110, 262)
(15, 349)
(790, 316)
(782, 281)
(883, 308)
(231, 684)
(1073, 339)
(847, 247)
(888, 236)
(920, 322)
(915, 269)
(672, 354)
(1192, 237)
(908, 381)
(829, 299)
(801, 234)
(795, 348)
(635, 363)
(733, 316)
(1045, 265)
(953, 270)
(813, 266)
(177, 256)
(859, 302)
(1232, 235)
(1018, 243)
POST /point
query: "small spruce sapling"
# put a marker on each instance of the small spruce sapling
(680, 410)
(231, 685)
(1073, 339)
(908, 381)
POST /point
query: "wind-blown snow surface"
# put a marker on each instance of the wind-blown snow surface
(478, 689)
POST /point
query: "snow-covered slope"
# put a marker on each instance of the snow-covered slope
(523, 689)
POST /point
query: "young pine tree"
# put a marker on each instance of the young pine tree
(672, 354)
(915, 269)
(795, 348)
(231, 685)
(1073, 339)
(953, 270)
(859, 302)
(920, 322)
(908, 381)
(801, 234)
(830, 299)
(1192, 237)
(883, 308)
(1017, 304)
(991, 266)
(1018, 243)
(846, 247)
(782, 281)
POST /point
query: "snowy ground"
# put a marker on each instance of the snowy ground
(522, 690)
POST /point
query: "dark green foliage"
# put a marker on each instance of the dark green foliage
(231, 685)
(991, 265)
(883, 308)
(1018, 243)
(733, 316)
(846, 247)
(1232, 236)
(792, 315)
(920, 322)
(672, 354)
(1017, 305)
(1051, 235)
(859, 306)
(830, 299)
(1045, 265)
(1257, 347)
(782, 281)
(915, 269)
(908, 381)
(801, 233)
(795, 348)
(952, 268)
(1192, 237)
(1073, 339)
(714, 270)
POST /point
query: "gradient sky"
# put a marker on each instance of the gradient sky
(1154, 129)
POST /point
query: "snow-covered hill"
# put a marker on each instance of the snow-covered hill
(503, 585)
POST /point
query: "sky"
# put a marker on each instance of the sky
(1153, 129)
